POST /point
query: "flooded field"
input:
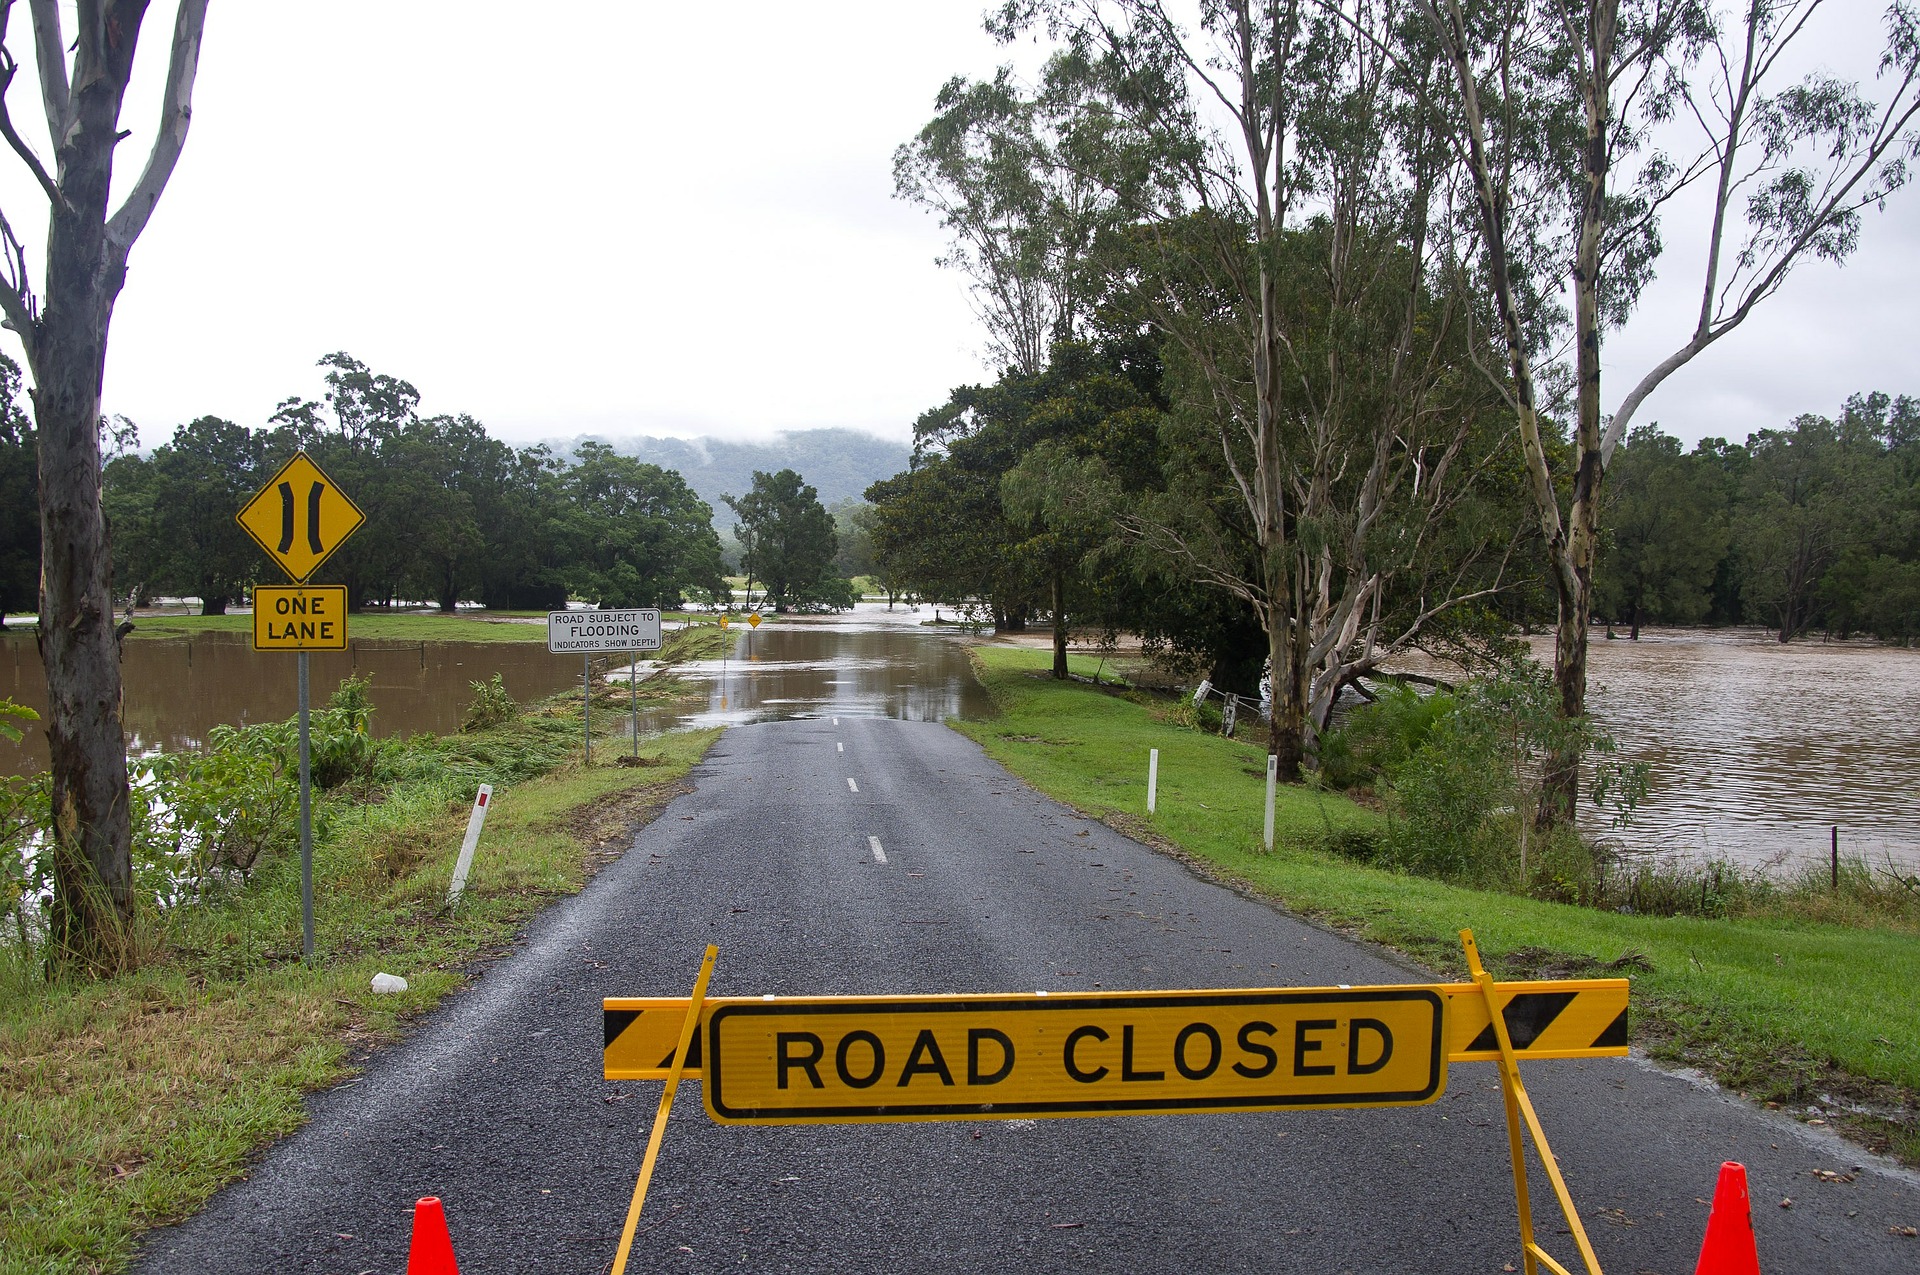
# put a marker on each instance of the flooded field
(176, 689)
(1759, 750)
(871, 662)
(1756, 749)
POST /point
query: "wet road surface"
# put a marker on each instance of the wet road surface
(496, 1102)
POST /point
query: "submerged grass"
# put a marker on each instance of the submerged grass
(126, 1103)
(1789, 1009)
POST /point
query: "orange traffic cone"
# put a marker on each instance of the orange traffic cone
(1728, 1248)
(431, 1252)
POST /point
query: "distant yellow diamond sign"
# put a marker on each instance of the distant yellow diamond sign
(300, 517)
(754, 619)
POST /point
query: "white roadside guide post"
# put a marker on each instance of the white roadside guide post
(1273, 774)
(587, 633)
(1153, 777)
(465, 862)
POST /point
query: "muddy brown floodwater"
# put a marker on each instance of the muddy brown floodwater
(1757, 750)
(176, 689)
(871, 662)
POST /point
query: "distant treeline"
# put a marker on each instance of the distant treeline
(1815, 527)
(452, 514)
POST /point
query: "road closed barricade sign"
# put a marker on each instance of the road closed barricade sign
(865, 1059)
(856, 1059)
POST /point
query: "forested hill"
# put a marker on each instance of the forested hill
(839, 463)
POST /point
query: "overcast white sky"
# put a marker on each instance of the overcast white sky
(677, 219)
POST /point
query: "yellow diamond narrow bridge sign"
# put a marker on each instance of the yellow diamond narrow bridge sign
(300, 517)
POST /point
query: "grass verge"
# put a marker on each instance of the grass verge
(1791, 1012)
(126, 1103)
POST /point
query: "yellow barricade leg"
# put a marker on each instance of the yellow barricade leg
(1520, 1108)
(687, 1029)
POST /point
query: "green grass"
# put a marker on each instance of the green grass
(1781, 1009)
(127, 1102)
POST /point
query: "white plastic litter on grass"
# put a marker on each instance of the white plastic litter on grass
(389, 983)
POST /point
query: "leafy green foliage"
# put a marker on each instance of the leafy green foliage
(1666, 515)
(173, 514)
(490, 707)
(1379, 739)
(1465, 777)
(788, 543)
(452, 515)
(639, 535)
(1813, 526)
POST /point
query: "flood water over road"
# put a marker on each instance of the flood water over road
(871, 662)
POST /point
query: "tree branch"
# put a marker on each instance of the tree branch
(16, 296)
(50, 52)
(183, 64)
(8, 68)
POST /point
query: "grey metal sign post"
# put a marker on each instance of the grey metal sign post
(590, 632)
(306, 822)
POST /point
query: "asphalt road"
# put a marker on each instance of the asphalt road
(496, 1103)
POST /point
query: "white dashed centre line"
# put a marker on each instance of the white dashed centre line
(851, 785)
(879, 855)
(839, 748)
(836, 722)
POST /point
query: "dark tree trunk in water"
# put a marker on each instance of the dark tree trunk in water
(66, 347)
(211, 604)
(1633, 633)
(1560, 787)
(1059, 626)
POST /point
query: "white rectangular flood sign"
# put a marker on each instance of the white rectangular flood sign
(586, 632)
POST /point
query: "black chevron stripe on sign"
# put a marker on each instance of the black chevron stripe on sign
(1615, 1037)
(693, 1055)
(615, 1021)
(1528, 1015)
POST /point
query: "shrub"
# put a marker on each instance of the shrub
(1465, 797)
(339, 746)
(1379, 738)
(491, 706)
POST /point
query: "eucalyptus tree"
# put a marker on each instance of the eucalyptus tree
(354, 434)
(62, 324)
(1007, 171)
(1551, 98)
(1286, 249)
